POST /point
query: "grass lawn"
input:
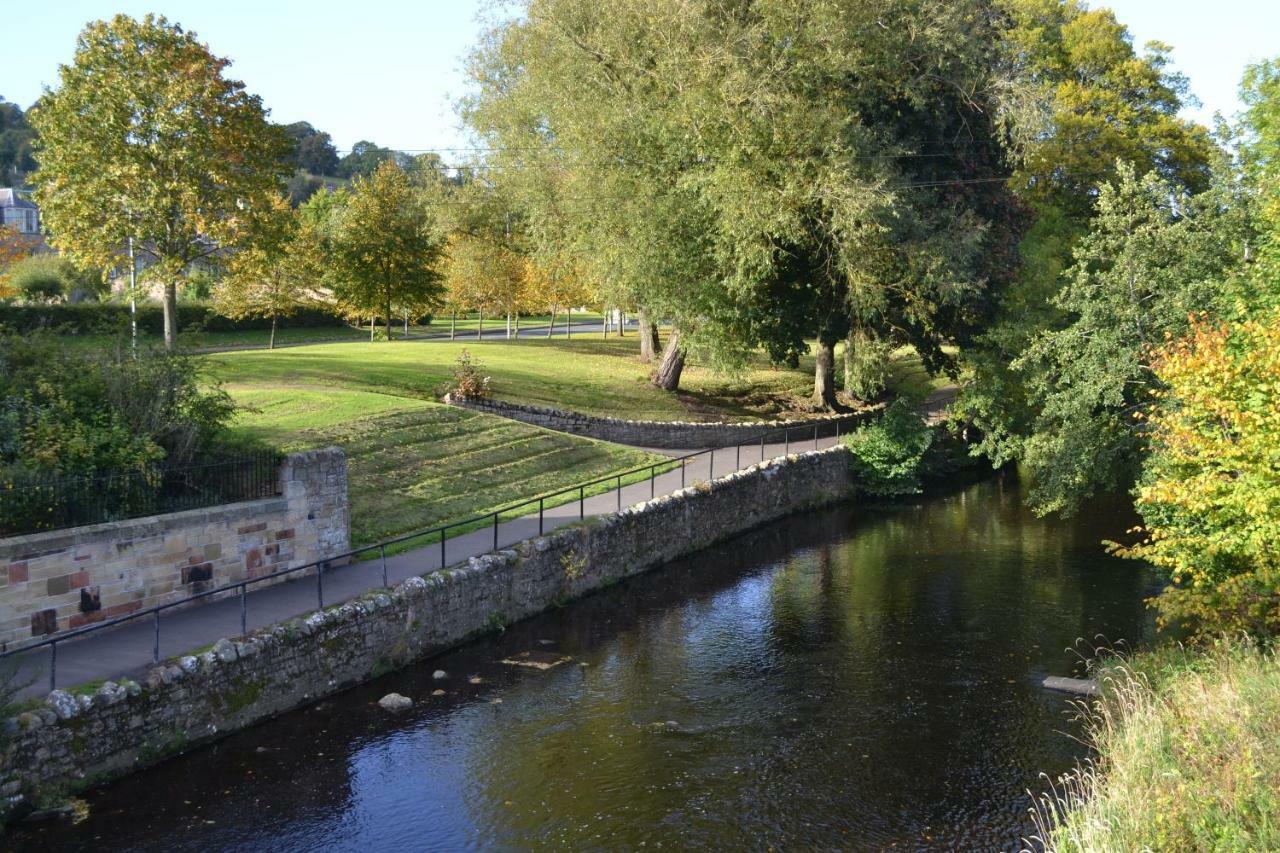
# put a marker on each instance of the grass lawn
(414, 464)
(603, 377)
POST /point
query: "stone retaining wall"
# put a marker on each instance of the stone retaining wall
(62, 579)
(70, 741)
(667, 435)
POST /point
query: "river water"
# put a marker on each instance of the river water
(846, 679)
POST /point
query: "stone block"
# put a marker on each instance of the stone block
(44, 622)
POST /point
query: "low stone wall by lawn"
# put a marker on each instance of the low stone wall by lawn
(63, 579)
(666, 435)
(70, 741)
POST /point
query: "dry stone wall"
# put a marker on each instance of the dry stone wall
(666, 435)
(70, 741)
(64, 579)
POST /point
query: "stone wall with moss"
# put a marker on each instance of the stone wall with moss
(70, 741)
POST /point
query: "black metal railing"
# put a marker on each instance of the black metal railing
(789, 440)
(30, 504)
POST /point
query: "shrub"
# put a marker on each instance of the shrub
(467, 381)
(113, 317)
(52, 278)
(887, 453)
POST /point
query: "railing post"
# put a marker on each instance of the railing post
(762, 448)
(582, 502)
(442, 557)
(837, 430)
(320, 585)
(540, 516)
(683, 465)
(155, 649)
(53, 666)
(495, 531)
(653, 474)
(712, 475)
(244, 610)
(786, 441)
(737, 458)
(383, 549)
(619, 492)
(815, 436)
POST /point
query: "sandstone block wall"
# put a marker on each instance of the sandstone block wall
(64, 579)
(71, 741)
(668, 435)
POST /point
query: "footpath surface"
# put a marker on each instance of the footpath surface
(127, 651)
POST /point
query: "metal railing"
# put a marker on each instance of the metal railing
(806, 433)
(30, 504)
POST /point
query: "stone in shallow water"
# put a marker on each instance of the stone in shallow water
(536, 659)
(439, 674)
(395, 702)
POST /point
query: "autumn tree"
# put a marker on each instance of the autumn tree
(143, 138)
(1210, 494)
(273, 276)
(385, 246)
(14, 246)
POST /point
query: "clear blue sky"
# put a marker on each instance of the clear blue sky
(389, 71)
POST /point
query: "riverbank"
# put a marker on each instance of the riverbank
(1186, 756)
(74, 741)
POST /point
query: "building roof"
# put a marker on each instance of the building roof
(9, 198)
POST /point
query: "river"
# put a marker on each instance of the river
(851, 678)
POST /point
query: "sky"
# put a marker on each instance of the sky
(391, 71)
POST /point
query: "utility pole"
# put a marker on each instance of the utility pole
(133, 295)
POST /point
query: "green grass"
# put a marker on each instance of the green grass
(907, 376)
(602, 377)
(1187, 757)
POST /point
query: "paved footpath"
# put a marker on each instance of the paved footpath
(128, 650)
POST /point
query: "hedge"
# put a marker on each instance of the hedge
(108, 317)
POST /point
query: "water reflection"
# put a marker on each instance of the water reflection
(851, 678)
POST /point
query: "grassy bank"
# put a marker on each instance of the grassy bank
(1187, 757)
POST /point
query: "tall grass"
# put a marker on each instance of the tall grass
(1187, 757)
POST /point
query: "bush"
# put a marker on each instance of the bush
(113, 317)
(467, 381)
(75, 413)
(887, 454)
(52, 278)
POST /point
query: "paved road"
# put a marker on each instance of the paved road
(128, 650)
(495, 332)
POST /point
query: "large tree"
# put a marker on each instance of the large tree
(386, 246)
(145, 139)
(17, 143)
(729, 167)
(313, 150)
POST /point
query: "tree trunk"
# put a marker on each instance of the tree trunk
(668, 375)
(517, 325)
(480, 327)
(508, 325)
(824, 376)
(649, 345)
(453, 326)
(604, 319)
(622, 321)
(551, 328)
(389, 321)
(272, 344)
(373, 325)
(406, 322)
(170, 315)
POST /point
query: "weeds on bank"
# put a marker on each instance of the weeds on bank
(1186, 757)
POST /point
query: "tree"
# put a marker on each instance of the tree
(1089, 101)
(385, 246)
(313, 150)
(364, 159)
(1152, 257)
(728, 168)
(14, 246)
(52, 278)
(17, 142)
(275, 274)
(145, 139)
(1210, 494)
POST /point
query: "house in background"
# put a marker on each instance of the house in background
(19, 212)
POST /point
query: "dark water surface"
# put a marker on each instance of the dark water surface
(847, 679)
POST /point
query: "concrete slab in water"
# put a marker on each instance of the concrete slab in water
(1078, 686)
(536, 659)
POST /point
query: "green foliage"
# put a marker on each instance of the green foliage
(1151, 258)
(69, 413)
(53, 278)
(364, 159)
(17, 143)
(113, 318)
(312, 150)
(887, 454)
